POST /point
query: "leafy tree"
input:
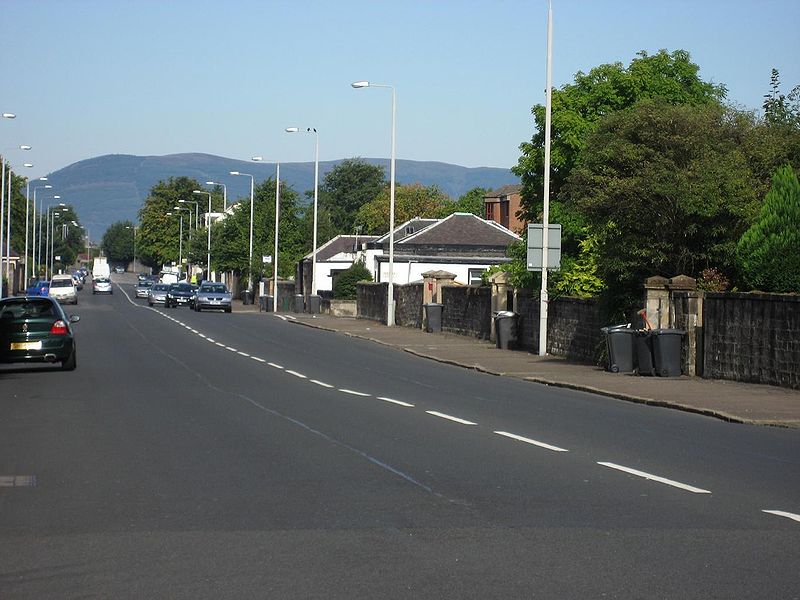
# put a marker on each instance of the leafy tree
(469, 202)
(117, 242)
(579, 107)
(768, 253)
(345, 286)
(578, 277)
(666, 190)
(780, 110)
(410, 201)
(345, 189)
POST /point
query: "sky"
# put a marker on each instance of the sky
(154, 77)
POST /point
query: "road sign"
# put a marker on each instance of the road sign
(534, 257)
(266, 259)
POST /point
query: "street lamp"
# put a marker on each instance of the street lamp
(316, 195)
(250, 253)
(390, 292)
(48, 241)
(5, 195)
(180, 239)
(27, 221)
(196, 212)
(224, 193)
(208, 225)
(277, 220)
(134, 244)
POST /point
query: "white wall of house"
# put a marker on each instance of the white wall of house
(406, 272)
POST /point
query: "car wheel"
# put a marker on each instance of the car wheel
(227, 310)
(70, 363)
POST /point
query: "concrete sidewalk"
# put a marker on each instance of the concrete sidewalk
(727, 400)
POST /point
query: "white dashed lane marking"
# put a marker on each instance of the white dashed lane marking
(321, 383)
(651, 477)
(296, 374)
(783, 513)
(530, 441)
(352, 392)
(400, 403)
(272, 364)
(449, 417)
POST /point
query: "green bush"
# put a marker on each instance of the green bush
(344, 288)
(768, 254)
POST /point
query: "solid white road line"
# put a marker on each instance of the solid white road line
(449, 417)
(274, 365)
(783, 513)
(296, 374)
(530, 441)
(322, 383)
(651, 477)
(353, 392)
(395, 401)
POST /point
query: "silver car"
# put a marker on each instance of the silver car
(212, 295)
(62, 288)
(158, 294)
(143, 288)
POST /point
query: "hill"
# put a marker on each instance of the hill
(111, 188)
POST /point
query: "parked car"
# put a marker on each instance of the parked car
(78, 280)
(179, 294)
(119, 269)
(102, 285)
(157, 294)
(212, 295)
(62, 288)
(36, 329)
(143, 287)
(38, 288)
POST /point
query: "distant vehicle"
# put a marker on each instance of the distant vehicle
(100, 268)
(38, 288)
(179, 294)
(78, 280)
(157, 294)
(62, 288)
(102, 285)
(119, 269)
(212, 295)
(36, 329)
(143, 287)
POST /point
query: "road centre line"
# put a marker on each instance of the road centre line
(261, 360)
(385, 399)
(202, 335)
(243, 353)
(783, 513)
(271, 364)
(296, 374)
(530, 441)
(220, 344)
(353, 392)
(652, 477)
(231, 349)
(321, 383)
(449, 417)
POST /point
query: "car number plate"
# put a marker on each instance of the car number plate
(26, 345)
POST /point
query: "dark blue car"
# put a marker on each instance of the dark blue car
(38, 288)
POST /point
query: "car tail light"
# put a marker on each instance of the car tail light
(59, 328)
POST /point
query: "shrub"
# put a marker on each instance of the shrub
(344, 288)
(768, 254)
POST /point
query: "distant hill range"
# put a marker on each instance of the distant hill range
(112, 188)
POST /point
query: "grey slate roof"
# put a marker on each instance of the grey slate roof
(462, 229)
(506, 190)
(341, 243)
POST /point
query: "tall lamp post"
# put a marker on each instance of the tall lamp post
(40, 238)
(224, 193)
(543, 299)
(390, 291)
(180, 238)
(5, 199)
(48, 236)
(134, 244)
(196, 211)
(28, 223)
(312, 308)
(277, 221)
(208, 226)
(250, 252)
(63, 208)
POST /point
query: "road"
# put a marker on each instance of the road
(243, 456)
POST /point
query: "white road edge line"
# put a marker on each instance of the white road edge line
(652, 477)
(271, 364)
(353, 392)
(393, 401)
(322, 383)
(296, 374)
(530, 441)
(449, 417)
(783, 513)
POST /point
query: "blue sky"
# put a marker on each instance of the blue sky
(147, 77)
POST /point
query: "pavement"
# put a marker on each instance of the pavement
(731, 401)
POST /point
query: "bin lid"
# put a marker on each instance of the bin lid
(669, 332)
(433, 304)
(505, 313)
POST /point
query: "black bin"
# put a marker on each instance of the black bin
(643, 344)
(505, 328)
(247, 297)
(619, 342)
(433, 317)
(299, 303)
(667, 345)
(313, 304)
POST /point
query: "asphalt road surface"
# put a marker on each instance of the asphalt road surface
(243, 456)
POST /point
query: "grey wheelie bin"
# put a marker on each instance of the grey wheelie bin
(505, 328)
(433, 317)
(643, 344)
(667, 345)
(619, 342)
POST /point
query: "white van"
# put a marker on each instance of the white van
(62, 288)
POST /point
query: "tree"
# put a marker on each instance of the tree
(768, 254)
(780, 110)
(410, 201)
(469, 202)
(345, 286)
(117, 242)
(579, 107)
(666, 189)
(345, 189)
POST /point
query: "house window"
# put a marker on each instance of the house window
(504, 213)
(489, 211)
(474, 276)
(409, 230)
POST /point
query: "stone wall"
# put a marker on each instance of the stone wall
(467, 310)
(752, 337)
(573, 326)
(372, 301)
(408, 305)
